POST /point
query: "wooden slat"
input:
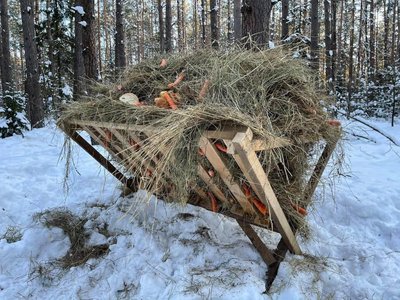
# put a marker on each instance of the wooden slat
(219, 166)
(318, 171)
(235, 213)
(265, 253)
(109, 125)
(251, 167)
(210, 183)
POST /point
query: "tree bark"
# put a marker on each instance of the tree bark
(351, 53)
(6, 72)
(255, 26)
(314, 35)
(79, 67)
(328, 45)
(203, 23)
(161, 37)
(214, 24)
(371, 41)
(32, 86)
(168, 26)
(120, 58)
(99, 37)
(285, 21)
(89, 41)
(237, 20)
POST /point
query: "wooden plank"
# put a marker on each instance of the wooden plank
(237, 214)
(251, 167)
(219, 166)
(97, 156)
(265, 253)
(282, 248)
(318, 171)
(92, 133)
(210, 183)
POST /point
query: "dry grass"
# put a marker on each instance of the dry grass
(73, 226)
(267, 91)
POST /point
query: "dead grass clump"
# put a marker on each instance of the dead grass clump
(73, 226)
(267, 91)
(12, 234)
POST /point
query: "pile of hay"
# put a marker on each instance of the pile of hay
(267, 91)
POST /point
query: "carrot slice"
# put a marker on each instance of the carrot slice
(177, 81)
(260, 206)
(169, 100)
(163, 63)
(204, 89)
(300, 209)
(214, 203)
(332, 122)
(221, 147)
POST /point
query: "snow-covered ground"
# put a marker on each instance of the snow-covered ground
(160, 251)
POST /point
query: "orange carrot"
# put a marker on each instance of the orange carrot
(161, 102)
(260, 206)
(163, 63)
(246, 191)
(211, 173)
(221, 147)
(170, 101)
(299, 209)
(335, 123)
(204, 89)
(214, 203)
(177, 81)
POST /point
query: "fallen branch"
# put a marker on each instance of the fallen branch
(373, 128)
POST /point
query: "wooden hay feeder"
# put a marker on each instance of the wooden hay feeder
(243, 146)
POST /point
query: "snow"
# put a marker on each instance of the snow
(83, 23)
(67, 90)
(163, 251)
(79, 10)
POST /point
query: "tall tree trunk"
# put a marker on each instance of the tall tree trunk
(203, 23)
(179, 23)
(89, 41)
(237, 19)
(386, 17)
(328, 45)
(334, 42)
(120, 58)
(392, 50)
(229, 22)
(32, 86)
(372, 41)
(79, 67)
(183, 20)
(99, 37)
(195, 25)
(314, 35)
(161, 37)
(360, 48)
(214, 8)
(256, 17)
(168, 26)
(285, 21)
(106, 32)
(6, 73)
(350, 83)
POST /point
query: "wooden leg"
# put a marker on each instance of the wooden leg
(74, 135)
(282, 249)
(265, 253)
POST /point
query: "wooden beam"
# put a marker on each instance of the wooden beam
(97, 156)
(251, 167)
(265, 253)
(219, 166)
(210, 183)
(318, 171)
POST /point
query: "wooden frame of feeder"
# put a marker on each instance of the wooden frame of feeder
(243, 147)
